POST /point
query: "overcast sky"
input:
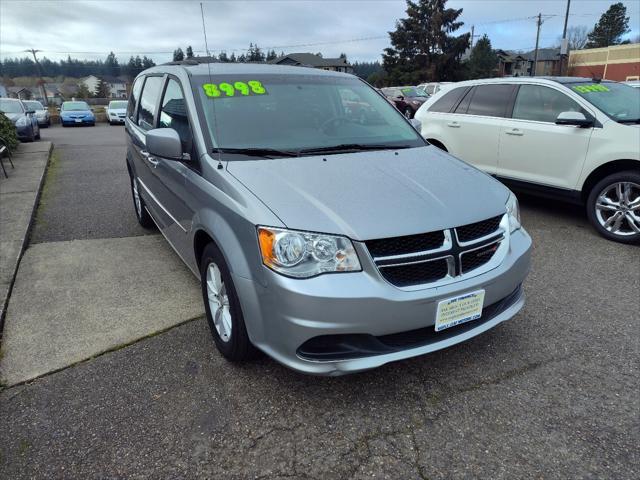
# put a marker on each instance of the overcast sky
(90, 29)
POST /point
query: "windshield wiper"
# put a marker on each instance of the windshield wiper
(634, 120)
(353, 146)
(259, 152)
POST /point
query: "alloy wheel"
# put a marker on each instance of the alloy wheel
(218, 302)
(136, 198)
(618, 208)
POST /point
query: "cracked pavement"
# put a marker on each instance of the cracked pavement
(553, 393)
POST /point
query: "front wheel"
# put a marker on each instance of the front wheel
(613, 207)
(222, 307)
(144, 219)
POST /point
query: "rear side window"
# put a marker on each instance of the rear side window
(448, 100)
(490, 100)
(542, 104)
(148, 102)
(133, 99)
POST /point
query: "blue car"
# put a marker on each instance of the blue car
(26, 123)
(76, 113)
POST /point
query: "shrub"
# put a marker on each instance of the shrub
(8, 131)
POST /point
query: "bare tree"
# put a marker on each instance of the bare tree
(577, 37)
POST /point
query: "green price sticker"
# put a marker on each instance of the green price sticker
(235, 89)
(595, 87)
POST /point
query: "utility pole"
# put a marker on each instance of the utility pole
(535, 55)
(472, 29)
(42, 86)
(564, 48)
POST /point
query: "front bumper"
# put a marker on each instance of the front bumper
(43, 120)
(285, 313)
(24, 132)
(80, 121)
(116, 120)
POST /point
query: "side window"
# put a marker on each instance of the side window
(148, 101)
(542, 104)
(490, 100)
(135, 94)
(173, 114)
(448, 100)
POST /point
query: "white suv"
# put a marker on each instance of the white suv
(569, 138)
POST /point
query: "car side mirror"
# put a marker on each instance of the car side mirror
(165, 143)
(57, 109)
(576, 119)
(417, 124)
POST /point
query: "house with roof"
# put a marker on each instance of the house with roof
(117, 85)
(313, 60)
(519, 64)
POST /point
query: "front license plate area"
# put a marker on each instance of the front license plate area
(78, 120)
(460, 309)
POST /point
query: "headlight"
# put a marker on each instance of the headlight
(303, 254)
(22, 122)
(514, 212)
(112, 114)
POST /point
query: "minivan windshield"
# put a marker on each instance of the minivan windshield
(617, 100)
(33, 105)
(10, 106)
(75, 106)
(118, 105)
(300, 113)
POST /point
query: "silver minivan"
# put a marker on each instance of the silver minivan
(324, 230)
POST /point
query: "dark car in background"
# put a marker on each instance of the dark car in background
(76, 113)
(42, 114)
(406, 99)
(24, 119)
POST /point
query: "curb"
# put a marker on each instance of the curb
(25, 240)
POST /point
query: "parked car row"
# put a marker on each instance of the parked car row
(23, 117)
(571, 139)
(406, 99)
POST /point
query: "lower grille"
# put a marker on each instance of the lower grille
(415, 273)
(355, 345)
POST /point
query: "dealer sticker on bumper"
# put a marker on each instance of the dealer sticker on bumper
(461, 309)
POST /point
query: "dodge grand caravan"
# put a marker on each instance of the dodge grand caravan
(332, 241)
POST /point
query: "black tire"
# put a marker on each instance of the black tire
(37, 137)
(144, 219)
(607, 183)
(237, 347)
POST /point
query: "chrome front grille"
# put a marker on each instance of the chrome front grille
(440, 257)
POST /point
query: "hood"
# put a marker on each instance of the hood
(14, 116)
(375, 194)
(76, 112)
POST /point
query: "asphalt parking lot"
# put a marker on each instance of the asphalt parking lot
(553, 393)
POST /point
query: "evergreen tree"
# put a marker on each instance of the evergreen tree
(111, 66)
(233, 58)
(222, 57)
(609, 30)
(242, 58)
(255, 54)
(422, 47)
(483, 60)
(103, 90)
(83, 91)
(147, 63)
(271, 55)
(178, 55)
(189, 52)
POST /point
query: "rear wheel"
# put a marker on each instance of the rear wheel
(613, 207)
(222, 307)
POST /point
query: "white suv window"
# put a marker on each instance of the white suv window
(542, 104)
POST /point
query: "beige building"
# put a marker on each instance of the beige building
(618, 62)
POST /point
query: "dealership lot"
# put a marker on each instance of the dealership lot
(551, 393)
